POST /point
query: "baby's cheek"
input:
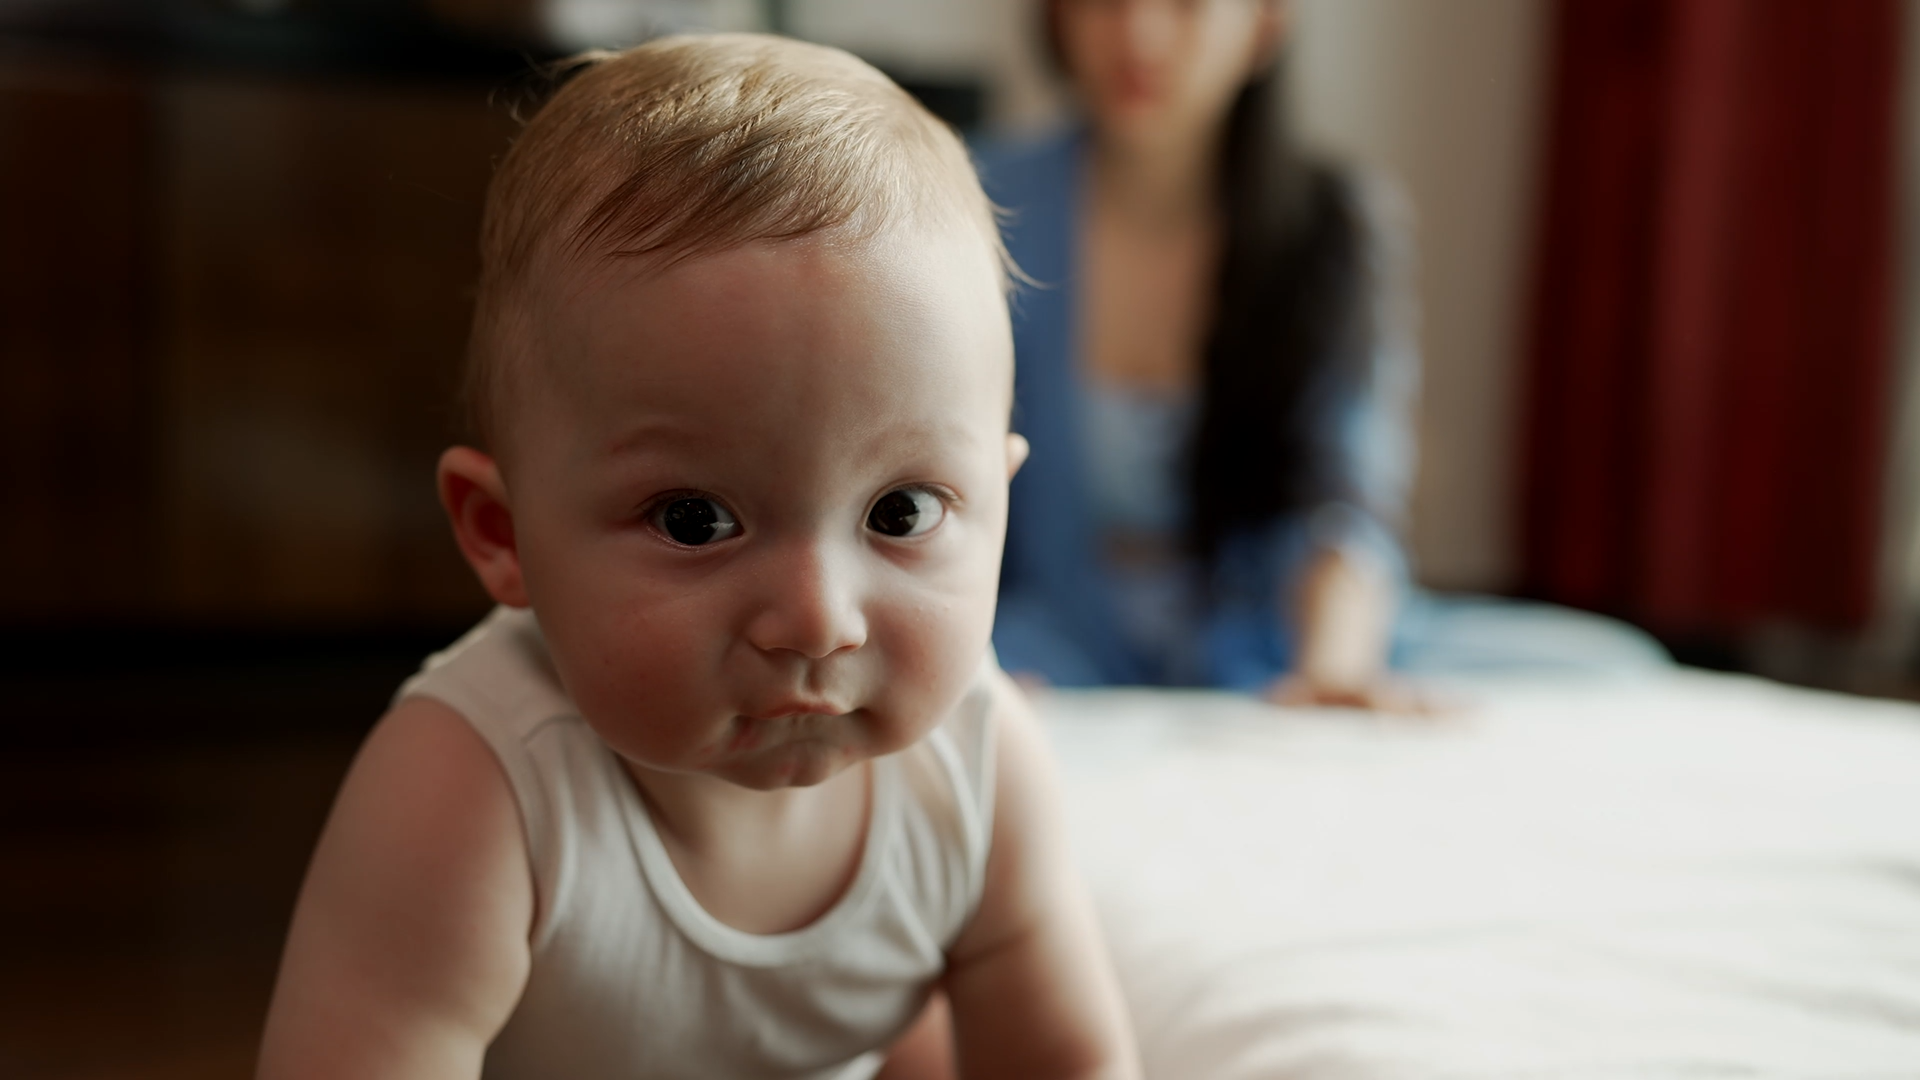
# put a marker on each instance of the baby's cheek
(656, 645)
(643, 691)
(936, 660)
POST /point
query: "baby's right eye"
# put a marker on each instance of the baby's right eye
(695, 521)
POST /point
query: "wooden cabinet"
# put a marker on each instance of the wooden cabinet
(77, 477)
(232, 310)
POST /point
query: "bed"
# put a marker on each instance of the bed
(1680, 874)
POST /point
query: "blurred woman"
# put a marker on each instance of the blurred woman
(1216, 371)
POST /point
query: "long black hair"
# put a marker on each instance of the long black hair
(1290, 337)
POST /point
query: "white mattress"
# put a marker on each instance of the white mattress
(1688, 876)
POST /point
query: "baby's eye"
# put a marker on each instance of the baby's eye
(906, 512)
(694, 522)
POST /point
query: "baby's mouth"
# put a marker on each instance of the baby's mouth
(754, 730)
(790, 709)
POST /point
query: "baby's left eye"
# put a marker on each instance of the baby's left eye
(906, 512)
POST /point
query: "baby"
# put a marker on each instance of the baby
(729, 784)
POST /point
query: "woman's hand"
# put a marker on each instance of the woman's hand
(1384, 693)
(1343, 621)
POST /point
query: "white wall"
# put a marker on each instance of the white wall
(592, 24)
(927, 38)
(1448, 98)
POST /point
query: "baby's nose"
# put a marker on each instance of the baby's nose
(809, 604)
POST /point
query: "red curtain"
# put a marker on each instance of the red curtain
(1710, 349)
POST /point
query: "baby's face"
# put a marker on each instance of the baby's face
(759, 498)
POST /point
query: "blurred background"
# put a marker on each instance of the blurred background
(1671, 323)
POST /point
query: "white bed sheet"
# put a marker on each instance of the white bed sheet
(1691, 875)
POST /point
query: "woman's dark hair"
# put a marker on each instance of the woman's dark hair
(1290, 337)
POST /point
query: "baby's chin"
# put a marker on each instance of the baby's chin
(798, 764)
(802, 763)
(790, 752)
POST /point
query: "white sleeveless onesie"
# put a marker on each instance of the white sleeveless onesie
(631, 978)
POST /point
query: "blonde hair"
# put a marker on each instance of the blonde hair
(692, 145)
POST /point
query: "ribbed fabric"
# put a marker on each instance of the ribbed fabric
(631, 978)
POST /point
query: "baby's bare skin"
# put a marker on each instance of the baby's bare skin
(745, 682)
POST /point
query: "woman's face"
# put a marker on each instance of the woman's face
(1153, 71)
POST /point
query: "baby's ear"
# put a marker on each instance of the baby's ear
(1017, 450)
(476, 502)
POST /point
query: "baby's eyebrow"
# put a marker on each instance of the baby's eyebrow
(648, 433)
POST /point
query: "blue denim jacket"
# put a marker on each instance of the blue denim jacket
(1057, 614)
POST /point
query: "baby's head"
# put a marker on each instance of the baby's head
(741, 376)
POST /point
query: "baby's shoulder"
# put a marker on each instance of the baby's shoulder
(423, 757)
(499, 683)
(413, 918)
(498, 677)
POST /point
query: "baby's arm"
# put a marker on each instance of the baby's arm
(1031, 989)
(409, 943)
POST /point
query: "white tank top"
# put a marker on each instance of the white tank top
(632, 978)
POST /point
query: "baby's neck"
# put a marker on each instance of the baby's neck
(761, 861)
(700, 811)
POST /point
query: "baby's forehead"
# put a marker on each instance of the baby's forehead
(758, 313)
(945, 278)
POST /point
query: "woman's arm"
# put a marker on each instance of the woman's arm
(1345, 599)
(1344, 618)
(409, 943)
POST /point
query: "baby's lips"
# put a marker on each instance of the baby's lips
(796, 707)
